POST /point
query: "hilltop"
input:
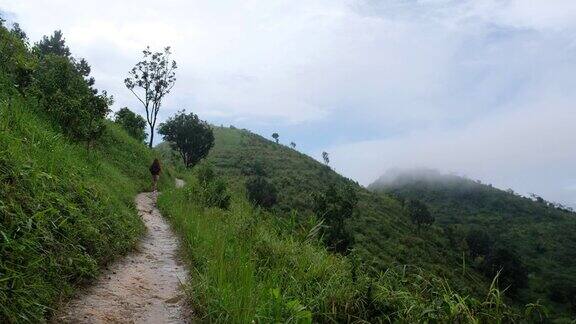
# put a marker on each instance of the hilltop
(271, 263)
(540, 233)
(384, 236)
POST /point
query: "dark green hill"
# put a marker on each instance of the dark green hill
(383, 233)
(541, 234)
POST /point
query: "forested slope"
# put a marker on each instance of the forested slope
(483, 221)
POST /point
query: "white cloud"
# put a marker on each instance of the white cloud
(420, 79)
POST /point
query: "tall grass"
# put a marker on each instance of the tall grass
(64, 211)
(252, 265)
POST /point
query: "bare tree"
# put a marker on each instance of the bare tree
(150, 80)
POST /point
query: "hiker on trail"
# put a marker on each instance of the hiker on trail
(155, 170)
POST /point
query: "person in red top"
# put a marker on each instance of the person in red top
(155, 170)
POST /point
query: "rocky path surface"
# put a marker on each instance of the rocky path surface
(143, 287)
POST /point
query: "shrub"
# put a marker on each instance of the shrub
(211, 191)
(261, 192)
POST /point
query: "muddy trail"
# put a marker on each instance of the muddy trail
(143, 287)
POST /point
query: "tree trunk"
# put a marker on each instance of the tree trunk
(151, 137)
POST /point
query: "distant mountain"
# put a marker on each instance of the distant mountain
(484, 221)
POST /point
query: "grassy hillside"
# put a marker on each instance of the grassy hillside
(245, 256)
(257, 265)
(65, 211)
(540, 233)
(384, 236)
(68, 177)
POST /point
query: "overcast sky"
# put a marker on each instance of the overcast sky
(483, 88)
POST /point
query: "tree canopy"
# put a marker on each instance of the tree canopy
(133, 123)
(418, 212)
(150, 80)
(191, 137)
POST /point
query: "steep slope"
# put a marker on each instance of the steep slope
(269, 265)
(64, 211)
(540, 233)
(383, 233)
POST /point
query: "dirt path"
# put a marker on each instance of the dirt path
(143, 287)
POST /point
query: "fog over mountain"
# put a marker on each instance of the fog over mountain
(483, 88)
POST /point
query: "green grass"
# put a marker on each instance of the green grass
(251, 265)
(384, 235)
(64, 211)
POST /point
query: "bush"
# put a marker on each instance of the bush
(261, 192)
(211, 191)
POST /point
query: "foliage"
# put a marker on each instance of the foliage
(64, 213)
(53, 45)
(275, 136)
(325, 157)
(189, 136)
(254, 265)
(418, 213)
(134, 124)
(479, 243)
(513, 274)
(261, 192)
(293, 145)
(67, 98)
(335, 207)
(150, 80)
(538, 233)
(211, 191)
(381, 230)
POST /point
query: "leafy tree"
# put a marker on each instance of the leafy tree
(18, 32)
(293, 145)
(17, 64)
(150, 80)
(513, 274)
(84, 69)
(275, 136)
(133, 123)
(69, 100)
(189, 136)
(55, 44)
(478, 242)
(261, 192)
(335, 207)
(418, 212)
(326, 157)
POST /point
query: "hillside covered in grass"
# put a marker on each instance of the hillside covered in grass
(382, 232)
(67, 184)
(482, 220)
(247, 256)
(254, 264)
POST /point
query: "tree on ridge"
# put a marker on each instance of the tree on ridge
(154, 76)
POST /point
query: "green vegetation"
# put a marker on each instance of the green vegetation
(191, 137)
(133, 124)
(531, 240)
(381, 230)
(150, 80)
(67, 178)
(272, 264)
(252, 264)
